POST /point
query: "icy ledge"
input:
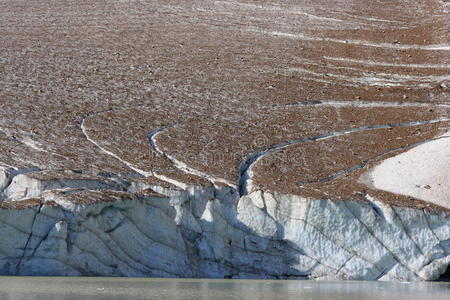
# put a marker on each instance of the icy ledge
(208, 232)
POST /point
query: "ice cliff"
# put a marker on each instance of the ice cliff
(212, 232)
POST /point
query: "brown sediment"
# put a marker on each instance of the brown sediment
(24, 204)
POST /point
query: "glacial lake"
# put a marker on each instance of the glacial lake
(65, 288)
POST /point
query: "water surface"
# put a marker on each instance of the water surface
(64, 288)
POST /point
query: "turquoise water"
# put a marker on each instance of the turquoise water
(64, 288)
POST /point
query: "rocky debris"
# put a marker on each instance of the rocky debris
(225, 139)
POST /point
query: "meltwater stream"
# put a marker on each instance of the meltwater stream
(66, 288)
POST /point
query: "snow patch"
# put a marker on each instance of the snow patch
(422, 172)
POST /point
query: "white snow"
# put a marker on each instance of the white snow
(422, 172)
